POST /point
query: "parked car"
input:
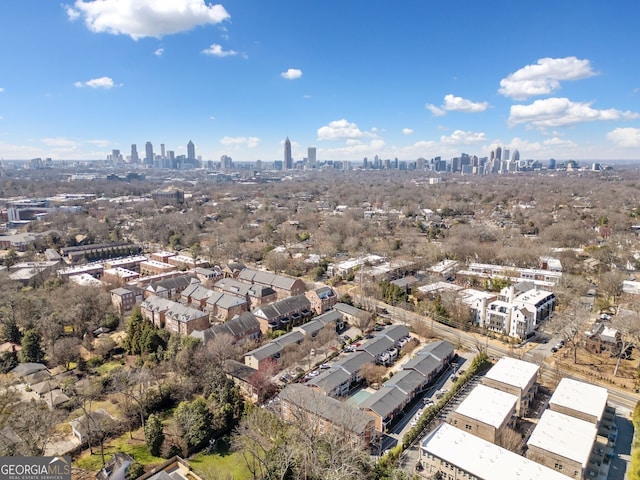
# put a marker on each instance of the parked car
(554, 349)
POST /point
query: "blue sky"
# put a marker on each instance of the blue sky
(354, 78)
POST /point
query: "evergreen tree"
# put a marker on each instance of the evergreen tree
(153, 434)
(10, 331)
(194, 419)
(31, 347)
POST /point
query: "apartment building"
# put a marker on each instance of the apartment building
(321, 414)
(173, 316)
(456, 454)
(516, 377)
(566, 444)
(487, 413)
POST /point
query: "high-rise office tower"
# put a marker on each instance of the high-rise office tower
(148, 153)
(191, 152)
(162, 152)
(516, 155)
(134, 154)
(311, 156)
(288, 159)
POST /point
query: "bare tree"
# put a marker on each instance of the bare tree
(570, 324)
(132, 385)
(627, 323)
(373, 373)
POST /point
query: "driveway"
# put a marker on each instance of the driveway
(622, 451)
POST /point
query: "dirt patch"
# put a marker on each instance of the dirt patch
(600, 367)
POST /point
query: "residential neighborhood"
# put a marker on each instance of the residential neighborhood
(405, 360)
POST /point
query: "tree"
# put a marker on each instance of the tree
(373, 373)
(154, 434)
(627, 323)
(31, 347)
(65, 351)
(194, 420)
(134, 471)
(570, 324)
(132, 385)
(9, 331)
(34, 423)
(10, 258)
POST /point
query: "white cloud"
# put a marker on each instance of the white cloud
(544, 77)
(451, 103)
(407, 131)
(102, 82)
(354, 149)
(1, 89)
(99, 143)
(217, 51)
(146, 18)
(562, 112)
(292, 74)
(71, 13)
(342, 129)
(559, 142)
(459, 104)
(625, 137)
(59, 142)
(250, 142)
(436, 111)
(159, 52)
(460, 137)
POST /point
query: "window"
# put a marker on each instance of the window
(468, 427)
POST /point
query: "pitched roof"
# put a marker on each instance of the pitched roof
(407, 381)
(238, 370)
(283, 308)
(267, 278)
(385, 401)
(329, 380)
(340, 414)
(354, 362)
(440, 349)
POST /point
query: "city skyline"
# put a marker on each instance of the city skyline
(84, 78)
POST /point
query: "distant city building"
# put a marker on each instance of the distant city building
(311, 156)
(288, 159)
(162, 152)
(148, 155)
(134, 154)
(191, 152)
(226, 162)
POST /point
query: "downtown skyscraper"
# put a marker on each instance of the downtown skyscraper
(288, 159)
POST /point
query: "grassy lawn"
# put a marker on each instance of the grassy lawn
(223, 464)
(106, 368)
(136, 448)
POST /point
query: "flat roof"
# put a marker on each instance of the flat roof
(580, 396)
(512, 371)
(488, 405)
(564, 435)
(483, 459)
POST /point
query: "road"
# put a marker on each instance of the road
(473, 341)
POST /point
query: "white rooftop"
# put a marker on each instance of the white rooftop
(488, 405)
(512, 371)
(580, 396)
(483, 459)
(564, 435)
